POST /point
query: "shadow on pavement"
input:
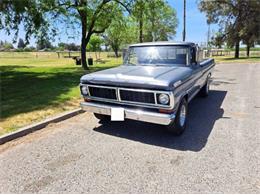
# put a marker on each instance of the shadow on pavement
(203, 113)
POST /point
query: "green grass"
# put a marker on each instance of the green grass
(35, 88)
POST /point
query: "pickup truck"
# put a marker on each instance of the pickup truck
(155, 84)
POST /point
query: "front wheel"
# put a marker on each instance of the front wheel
(178, 126)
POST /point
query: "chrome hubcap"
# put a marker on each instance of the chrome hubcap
(183, 115)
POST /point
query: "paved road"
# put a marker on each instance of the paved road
(219, 152)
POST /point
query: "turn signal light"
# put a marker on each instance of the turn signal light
(165, 111)
(87, 99)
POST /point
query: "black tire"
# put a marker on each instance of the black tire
(178, 126)
(102, 117)
(204, 92)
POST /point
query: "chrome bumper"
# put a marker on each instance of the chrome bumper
(134, 114)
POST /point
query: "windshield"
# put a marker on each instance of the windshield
(157, 55)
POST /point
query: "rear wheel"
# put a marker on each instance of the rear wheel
(178, 126)
(102, 117)
(204, 92)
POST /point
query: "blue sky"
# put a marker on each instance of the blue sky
(196, 26)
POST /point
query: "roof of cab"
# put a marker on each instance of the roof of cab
(163, 43)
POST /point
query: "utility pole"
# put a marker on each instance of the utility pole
(184, 21)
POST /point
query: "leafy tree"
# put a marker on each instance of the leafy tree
(7, 46)
(1, 43)
(21, 44)
(68, 46)
(250, 31)
(139, 10)
(119, 33)
(30, 13)
(231, 16)
(217, 40)
(43, 44)
(161, 21)
(156, 20)
(95, 44)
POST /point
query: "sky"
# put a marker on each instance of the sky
(196, 26)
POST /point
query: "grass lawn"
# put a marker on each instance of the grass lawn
(35, 88)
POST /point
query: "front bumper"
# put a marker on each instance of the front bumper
(130, 113)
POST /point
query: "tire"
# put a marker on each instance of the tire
(178, 126)
(101, 117)
(204, 92)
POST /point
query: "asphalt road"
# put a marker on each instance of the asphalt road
(219, 152)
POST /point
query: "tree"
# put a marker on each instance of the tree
(156, 20)
(217, 40)
(21, 44)
(250, 31)
(43, 44)
(94, 17)
(138, 12)
(94, 44)
(68, 46)
(7, 46)
(1, 43)
(119, 33)
(30, 13)
(161, 21)
(231, 15)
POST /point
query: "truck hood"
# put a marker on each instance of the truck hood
(159, 77)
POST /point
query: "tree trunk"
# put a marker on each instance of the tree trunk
(96, 55)
(141, 27)
(141, 31)
(83, 45)
(248, 50)
(116, 53)
(237, 49)
(115, 49)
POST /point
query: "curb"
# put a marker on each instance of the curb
(37, 126)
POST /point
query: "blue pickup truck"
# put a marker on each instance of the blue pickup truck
(154, 84)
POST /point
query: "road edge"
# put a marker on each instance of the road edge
(37, 126)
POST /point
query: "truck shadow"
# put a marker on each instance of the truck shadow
(203, 113)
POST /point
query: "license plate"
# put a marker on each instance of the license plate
(117, 114)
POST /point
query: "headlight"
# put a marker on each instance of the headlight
(84, 90)
(164, 98)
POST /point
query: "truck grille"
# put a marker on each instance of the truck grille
(142, 97)
(136, 96)
(108, 93)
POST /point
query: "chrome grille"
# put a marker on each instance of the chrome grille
(127, 96)
(108, 93)
(136, 96)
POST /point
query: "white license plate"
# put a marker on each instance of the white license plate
(117, 114)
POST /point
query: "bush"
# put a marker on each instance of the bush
(29, 49)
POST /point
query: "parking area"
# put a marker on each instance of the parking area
(219, 151)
